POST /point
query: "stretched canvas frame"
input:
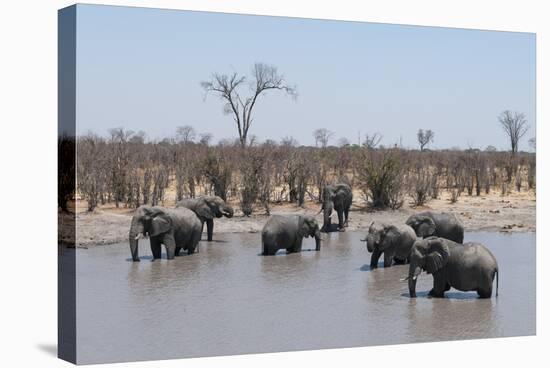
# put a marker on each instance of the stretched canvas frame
(77, 287)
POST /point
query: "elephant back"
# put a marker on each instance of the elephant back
(186, 216)
(189, 203)
(449, 226)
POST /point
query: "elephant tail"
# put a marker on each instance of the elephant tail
(497, 283)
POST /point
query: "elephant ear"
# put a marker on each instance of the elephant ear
(203, 210)
(437, 255)
(160, 224)
(426, 227)
(339, 194)
(303, 227)
(387, 235)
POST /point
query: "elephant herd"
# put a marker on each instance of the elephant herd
(177, 228)
(428, 241)
(433, 243)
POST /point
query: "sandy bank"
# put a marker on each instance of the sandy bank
(512, 213)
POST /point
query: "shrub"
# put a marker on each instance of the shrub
(381, 178)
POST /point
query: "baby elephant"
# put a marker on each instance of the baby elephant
(395, 241)
(287, 232)
(444, 225)
(468, 267)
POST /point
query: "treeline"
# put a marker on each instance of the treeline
(126, 170)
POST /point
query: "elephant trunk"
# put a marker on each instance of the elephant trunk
(209, 229)
(136, 230)
(327, 212)
(412, 287)
(317, 240)
(228, 211)
(414, 271)
(370, 243)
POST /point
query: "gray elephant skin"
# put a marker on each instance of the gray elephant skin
(177, 229)
(395, 241)
(466, 267)
(287, 232)
(444, 225)
(337, 197)
(207, 208)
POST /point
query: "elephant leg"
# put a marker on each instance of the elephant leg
(194, 243)
(399, 261)
(486, 288)
(170, 245)
(155, 247)
(439, 286)
(374, 259)
(266, 250)
(388, 258)
(297, 246)
(346, 215)
(177, 251)
(209, 229)
(484, 294)
(340, 220)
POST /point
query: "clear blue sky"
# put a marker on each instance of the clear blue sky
(141, 69)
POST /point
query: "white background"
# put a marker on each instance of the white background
(28, 136)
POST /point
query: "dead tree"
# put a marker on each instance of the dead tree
(264, 78)
(185, 134)
(322, 136)
(372, 141)
(424, 138)
(515, 126)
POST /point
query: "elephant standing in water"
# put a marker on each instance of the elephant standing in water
(394, 241)
(177, 229)
(339, 198)
(443, 225)
(287, 232)
(468, 267)
(207, 208)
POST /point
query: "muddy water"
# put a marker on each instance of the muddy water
(229, 300)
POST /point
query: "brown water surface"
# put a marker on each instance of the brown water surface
(228, 299)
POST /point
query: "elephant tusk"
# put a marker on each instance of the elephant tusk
(404, 279)
(138, 236)
(414, 278)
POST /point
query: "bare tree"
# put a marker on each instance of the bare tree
(289, 141)
(138, 137)
(424, 138)
(185, 134)
(322, 136)
(343, 142)
(205, 138)
(371, 141)
(264, 78)
(515, 126)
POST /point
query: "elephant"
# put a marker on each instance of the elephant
(395, 241)
(466, 267)
(207, 208)
(444, 225)
(177, 229)
(337, 196)
(287, 232)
